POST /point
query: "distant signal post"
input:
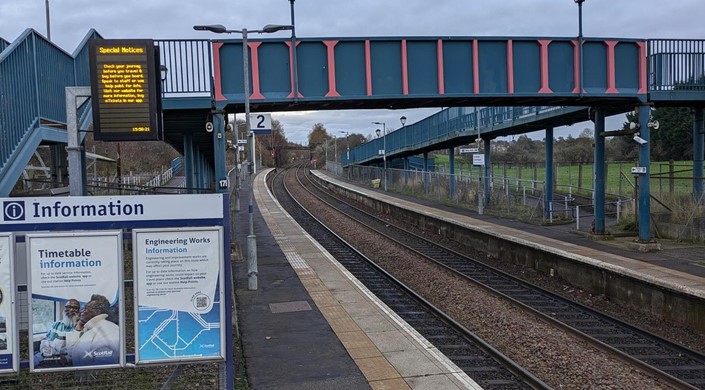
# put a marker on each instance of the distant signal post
(125, 90)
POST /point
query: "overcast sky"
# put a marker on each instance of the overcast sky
(171, 19)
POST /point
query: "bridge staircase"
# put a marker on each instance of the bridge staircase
(33, 76)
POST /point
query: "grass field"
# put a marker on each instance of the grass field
(666, 177)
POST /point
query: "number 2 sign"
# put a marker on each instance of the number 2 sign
(261, 124)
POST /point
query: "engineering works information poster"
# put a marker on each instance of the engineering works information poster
(178, 294)
(83, 270)
(8, 333)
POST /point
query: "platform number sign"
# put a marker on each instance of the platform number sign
(261, 124)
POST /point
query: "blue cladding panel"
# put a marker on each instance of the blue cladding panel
(595, 67)
(422, 62)
(457, 61)
(231, 71)
(493, 66)
(350, 69)
(313, 70)
(274, 63)
(561, 67)
(626, 57)
(386, 67)
(527, 67)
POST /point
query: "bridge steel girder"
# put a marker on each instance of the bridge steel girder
(388, 72)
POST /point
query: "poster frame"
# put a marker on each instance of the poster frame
(11, 295)
(221, 298)
(117, 234)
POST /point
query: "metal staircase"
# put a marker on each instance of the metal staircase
(33, 76)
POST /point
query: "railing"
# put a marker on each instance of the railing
(189, 67)
(3, 44)
(450, 122)
(676, 64)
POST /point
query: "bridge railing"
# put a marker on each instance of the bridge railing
(189, 67)
(40, 71)
(3, 44)
(676, 64)
(445, 124)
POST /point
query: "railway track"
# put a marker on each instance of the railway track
(668, 362)
(487, 366)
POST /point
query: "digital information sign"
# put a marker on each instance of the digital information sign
(125, 90)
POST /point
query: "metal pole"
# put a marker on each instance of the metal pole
(251, 238)
(580, 45)
(384, 155)
(644, 179)
(293, 52)
(76, 164)
(46, 3)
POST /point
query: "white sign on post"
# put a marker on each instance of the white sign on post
(261, 123)
(478, 159)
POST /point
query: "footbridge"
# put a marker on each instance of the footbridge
(204, 83)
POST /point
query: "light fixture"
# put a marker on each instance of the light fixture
(378, 131)
(163, 70)
(403, 120)
(639, 140)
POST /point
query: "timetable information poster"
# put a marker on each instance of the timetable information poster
(8, 341)
(178, 294)
(83, 271)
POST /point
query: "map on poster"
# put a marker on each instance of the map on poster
(178, 299)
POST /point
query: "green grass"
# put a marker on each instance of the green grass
(570, 175)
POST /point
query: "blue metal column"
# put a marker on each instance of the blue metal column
(698, 151)
(221, 175)
(548, 184)
(600, 172)
(451, 162)
(488, 170)
(188, 162)
(425, 172)
(644, 178)
(406, 170)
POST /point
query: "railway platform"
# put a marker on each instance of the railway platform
(311, 325)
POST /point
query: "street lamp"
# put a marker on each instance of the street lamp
(403, 121)
(347, 144)
(580, 44)
(384, 149)
(251, 238)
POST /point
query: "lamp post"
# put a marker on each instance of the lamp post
(347, 144)
(46, 5)
(384, 149)
(580, 45)
(251, 238)
(335, 151)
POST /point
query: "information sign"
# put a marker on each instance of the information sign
(9, 361)
(72, 273)
(468, 150)
(125, 90)
(478, 159)
(179, 301)
(261, 124)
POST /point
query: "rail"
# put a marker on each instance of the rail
(676, 64)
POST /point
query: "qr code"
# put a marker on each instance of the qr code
(201, 302)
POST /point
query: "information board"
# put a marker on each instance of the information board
(178, 294)
(125, 90)
(78, 277)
